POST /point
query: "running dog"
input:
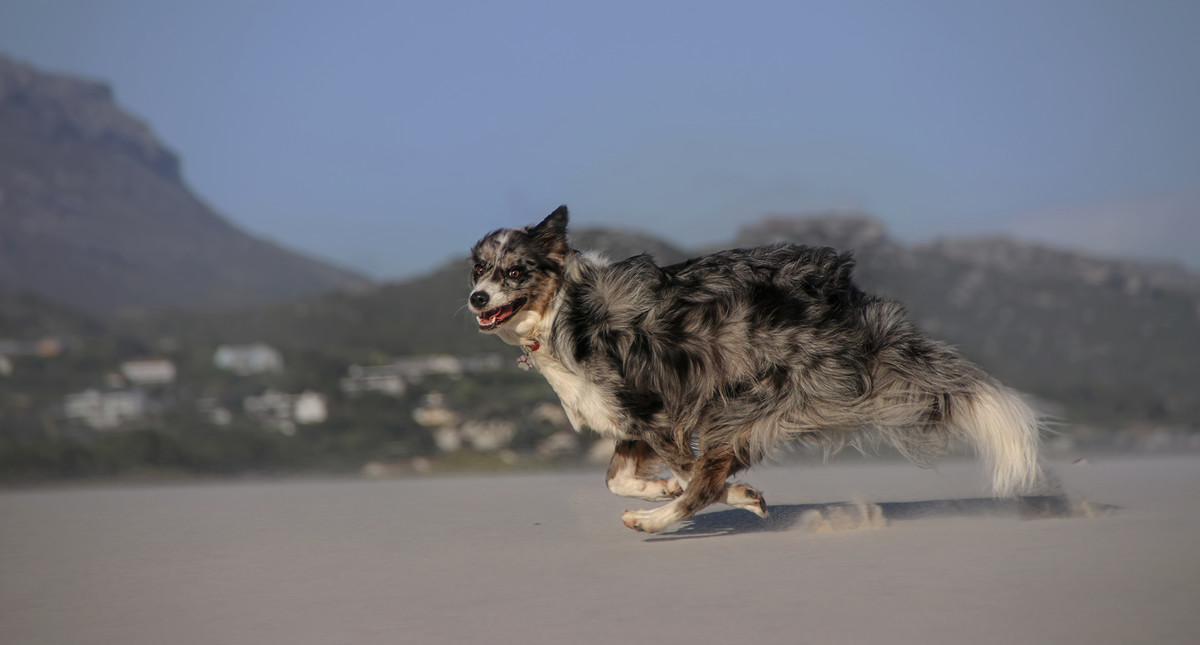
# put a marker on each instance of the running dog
(697, 370)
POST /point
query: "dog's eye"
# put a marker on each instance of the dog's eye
(478, 270)
(514, 273)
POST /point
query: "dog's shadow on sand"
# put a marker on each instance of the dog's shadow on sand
(842, 516)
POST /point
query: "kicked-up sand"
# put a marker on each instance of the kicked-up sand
(866, 552)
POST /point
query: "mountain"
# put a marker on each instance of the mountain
(1159, 225)
(94, 212)
(29, 316)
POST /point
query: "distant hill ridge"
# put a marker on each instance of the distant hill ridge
(94, 212)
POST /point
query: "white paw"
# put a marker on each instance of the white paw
(644, 521)
(651, 490)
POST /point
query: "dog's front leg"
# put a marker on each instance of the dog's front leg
(631, 473)
(707, 486)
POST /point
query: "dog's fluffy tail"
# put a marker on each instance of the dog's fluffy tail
(919, 409)
(1004, 431)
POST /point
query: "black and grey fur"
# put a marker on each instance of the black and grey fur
(703, 367)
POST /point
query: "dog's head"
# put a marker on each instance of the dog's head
(515, 274)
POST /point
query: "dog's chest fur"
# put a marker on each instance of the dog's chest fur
(584, 403)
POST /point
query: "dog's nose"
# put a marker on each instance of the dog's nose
(479, 299)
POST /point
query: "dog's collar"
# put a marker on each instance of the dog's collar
(525, 361)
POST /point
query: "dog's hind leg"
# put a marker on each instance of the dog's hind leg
(707, 486)
(631, 473)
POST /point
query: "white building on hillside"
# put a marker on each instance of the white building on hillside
(283, 412)
(309, 407)
(107, 410)
(149, 371)
(394, 378)
(244, 360)
(377, 378)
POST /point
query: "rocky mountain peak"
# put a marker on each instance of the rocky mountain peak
(65, 108)
(94, 212)
(1009, 256)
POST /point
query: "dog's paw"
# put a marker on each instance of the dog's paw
(744, 496)
(651, 490)
(664, 489)
(644, 521)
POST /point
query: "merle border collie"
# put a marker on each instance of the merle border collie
(698, 370)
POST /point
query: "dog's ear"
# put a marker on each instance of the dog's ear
(552, 231)
(556, 221)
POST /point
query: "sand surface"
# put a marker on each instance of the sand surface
(544, 559)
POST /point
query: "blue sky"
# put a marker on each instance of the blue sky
(389, 136)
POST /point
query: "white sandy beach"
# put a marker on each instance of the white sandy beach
(545, 559)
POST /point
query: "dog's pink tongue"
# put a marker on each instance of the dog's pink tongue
(491, 320)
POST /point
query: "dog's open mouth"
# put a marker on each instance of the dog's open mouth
(493, 318)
